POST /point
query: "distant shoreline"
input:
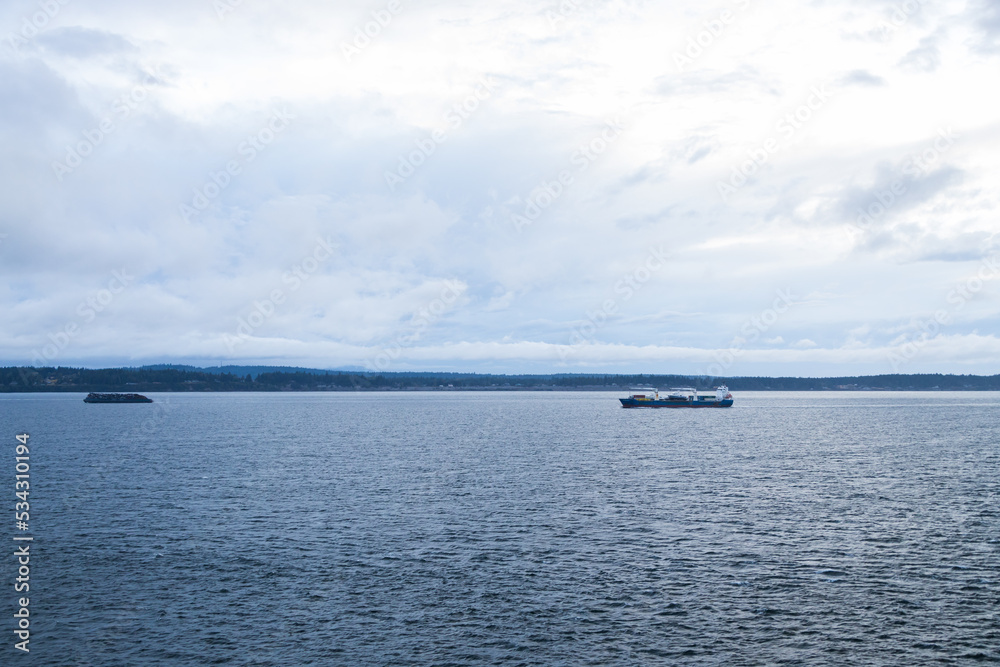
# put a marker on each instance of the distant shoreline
(453, 390)
(187, 379)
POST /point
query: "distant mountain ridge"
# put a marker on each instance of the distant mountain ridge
(252, 371)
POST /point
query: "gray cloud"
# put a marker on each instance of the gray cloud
(35, 98)
(924, 58)
(633, 222)
(895, 191)
(79, 42)
(698, 154)
(743, 77)
(966, 247)
(862, 78)
(987, 20)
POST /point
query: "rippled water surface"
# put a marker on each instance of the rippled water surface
(516, 528)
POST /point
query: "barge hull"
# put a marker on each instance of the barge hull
(634, 403)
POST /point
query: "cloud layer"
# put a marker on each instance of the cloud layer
(614, 186)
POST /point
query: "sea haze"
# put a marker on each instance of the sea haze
(515, 528)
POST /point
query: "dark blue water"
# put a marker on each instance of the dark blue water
(513, 528)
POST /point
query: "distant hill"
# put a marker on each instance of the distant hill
(242, 371)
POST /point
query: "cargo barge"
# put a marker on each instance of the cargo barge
(648, 397)
(94, 397)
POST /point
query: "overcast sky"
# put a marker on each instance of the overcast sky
(624, 186)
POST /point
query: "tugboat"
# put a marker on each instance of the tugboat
(647, 397)
(94, 397)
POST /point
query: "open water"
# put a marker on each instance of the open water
(455, 528)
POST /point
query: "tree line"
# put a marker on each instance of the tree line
(61, 379)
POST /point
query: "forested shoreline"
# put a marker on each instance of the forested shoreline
(262, 378)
